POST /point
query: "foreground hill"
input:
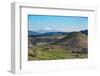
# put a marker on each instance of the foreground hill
(75, 39)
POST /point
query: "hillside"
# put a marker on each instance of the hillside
(75, 39)
(51, 47)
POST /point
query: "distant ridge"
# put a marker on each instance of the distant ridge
(84, 32)
(32, 33)
(55, 33)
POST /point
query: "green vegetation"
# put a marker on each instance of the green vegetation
(41, 53)
(72, 46)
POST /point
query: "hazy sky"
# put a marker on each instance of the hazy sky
(57, 23)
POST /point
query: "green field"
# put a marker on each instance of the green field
(43, 53)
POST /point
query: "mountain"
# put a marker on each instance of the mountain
(64, 33)
(55, 33)
(75, 39)
(84, 32)
(35, 34)
(31, 33)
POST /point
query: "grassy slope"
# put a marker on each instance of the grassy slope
(44, 52)
(52, 54)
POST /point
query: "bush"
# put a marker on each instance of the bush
(33, 53)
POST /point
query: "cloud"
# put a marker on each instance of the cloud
(48, 28)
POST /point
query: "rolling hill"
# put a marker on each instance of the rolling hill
(69, 46)
(75, 39)
(32, 33)
(36, 34)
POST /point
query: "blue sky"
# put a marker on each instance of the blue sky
(57, 23)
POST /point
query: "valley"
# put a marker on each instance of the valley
(58, 45)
